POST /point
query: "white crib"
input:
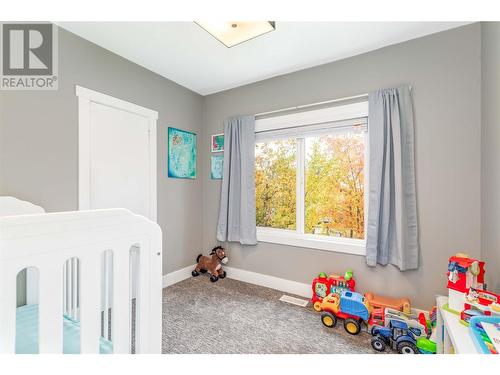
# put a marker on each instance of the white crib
(98, 272)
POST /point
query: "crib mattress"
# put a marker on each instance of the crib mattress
(27, 333)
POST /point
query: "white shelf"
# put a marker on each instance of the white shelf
(458, 333)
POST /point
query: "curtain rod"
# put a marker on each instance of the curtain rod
(311, 105)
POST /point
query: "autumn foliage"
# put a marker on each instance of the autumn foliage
(334, 184)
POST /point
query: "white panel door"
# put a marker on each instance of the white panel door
(117, 154)
(119, 159)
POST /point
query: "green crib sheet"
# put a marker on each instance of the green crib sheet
(27, 333)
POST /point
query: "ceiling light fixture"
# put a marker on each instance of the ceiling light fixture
(231, 33)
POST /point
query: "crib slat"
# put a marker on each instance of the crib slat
(74, 288)
(143, 302)
(64, 289)
(7, 309)
(121, 302)
(50, 309)
(90, 302)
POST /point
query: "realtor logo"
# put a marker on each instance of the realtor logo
(29, 56)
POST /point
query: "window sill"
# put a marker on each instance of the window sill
(335, 244)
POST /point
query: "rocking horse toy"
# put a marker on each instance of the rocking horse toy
(212, 264)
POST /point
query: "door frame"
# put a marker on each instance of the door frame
(85, 98)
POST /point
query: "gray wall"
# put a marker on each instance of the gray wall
(445, 72)
(490, 196)
(39, 143)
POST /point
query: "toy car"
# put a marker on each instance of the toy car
(397, 335)
(350, 306)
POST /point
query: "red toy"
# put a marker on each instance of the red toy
(465, 288)
(324, 285)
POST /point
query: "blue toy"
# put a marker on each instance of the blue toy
(397, 335)
(479, 336)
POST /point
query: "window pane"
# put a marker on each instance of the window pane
(334, 201)
(275, 180)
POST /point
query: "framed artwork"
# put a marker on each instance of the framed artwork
(217, 142)
(216, 167)
(181, 154)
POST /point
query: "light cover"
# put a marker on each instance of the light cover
(231, 33)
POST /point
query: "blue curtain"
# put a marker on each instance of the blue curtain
(392, 228)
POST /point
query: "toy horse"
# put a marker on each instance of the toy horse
(212, 264)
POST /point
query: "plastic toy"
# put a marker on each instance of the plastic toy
(465, 289)
(377, 317)
(352, 307)
(463, 273)
(426, 346)
(397, 335)
(324, 285)
(485, 332)
(212, 264)
(377, 301)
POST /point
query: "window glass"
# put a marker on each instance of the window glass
(334, 184)
(275, 183)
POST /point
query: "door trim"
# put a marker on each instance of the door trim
(85, 98)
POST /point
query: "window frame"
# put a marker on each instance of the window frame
(302, 120)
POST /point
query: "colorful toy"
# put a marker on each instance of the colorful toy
(426, 346)
(466, 296)
(406, 333)
(463, 273)
(377, 301)
(324, 285)
(352, 307)
(397, 335)
(212, 264)
(485, 332)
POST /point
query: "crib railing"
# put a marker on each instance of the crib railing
(93, 267)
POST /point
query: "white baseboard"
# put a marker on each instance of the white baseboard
(284, 285)
(176, 276)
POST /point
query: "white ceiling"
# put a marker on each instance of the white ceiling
(185, 53)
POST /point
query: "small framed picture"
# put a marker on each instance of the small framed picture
(217, 167)
(217, 142)
(181, 154)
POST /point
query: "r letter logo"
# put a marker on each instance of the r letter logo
(29, 56)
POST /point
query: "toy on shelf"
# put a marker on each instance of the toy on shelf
(352, 307)
(463, 273)
(377, 301)
(212, 264)
(485, 332)
(324, 285)
(466, 296)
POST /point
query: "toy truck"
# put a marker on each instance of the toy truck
(352, 307)
(398, 335)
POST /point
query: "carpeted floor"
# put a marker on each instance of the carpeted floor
(231, 316)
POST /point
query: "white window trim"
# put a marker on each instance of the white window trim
(296, 238)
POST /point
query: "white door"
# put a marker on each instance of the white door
(117, 154)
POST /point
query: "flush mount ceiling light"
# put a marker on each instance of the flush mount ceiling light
(231, 33)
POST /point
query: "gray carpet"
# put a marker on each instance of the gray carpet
(232, 317)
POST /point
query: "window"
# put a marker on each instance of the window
(310, 175)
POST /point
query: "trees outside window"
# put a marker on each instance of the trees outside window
(327, 198)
